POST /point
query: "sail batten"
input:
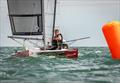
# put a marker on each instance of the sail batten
(25, 15)
(25, 38)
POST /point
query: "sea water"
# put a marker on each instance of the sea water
(94, 65)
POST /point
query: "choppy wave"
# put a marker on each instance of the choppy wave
(94, 65)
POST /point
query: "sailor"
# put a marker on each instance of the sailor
(57, 40)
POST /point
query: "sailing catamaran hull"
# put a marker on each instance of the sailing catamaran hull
(68, 53)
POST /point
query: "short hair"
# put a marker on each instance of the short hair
(56, 30)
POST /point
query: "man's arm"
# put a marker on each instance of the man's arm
(58, 38)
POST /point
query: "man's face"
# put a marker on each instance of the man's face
(56, 32)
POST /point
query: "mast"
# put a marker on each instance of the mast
(43, 22)
(55, 4)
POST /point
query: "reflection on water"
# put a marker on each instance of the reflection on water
(94, 65)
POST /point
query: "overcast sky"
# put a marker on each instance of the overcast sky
(76, 18)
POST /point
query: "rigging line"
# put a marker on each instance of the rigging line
(24, 46)
(33, 21)
(35, 44)
(77, 39)
(17, 41)
(73, 41)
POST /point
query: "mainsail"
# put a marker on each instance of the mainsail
(32, 18)
(50, 13)
(26, 16)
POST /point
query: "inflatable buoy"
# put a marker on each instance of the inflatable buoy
(111, 32)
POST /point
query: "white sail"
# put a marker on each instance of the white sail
(32, 19)
(26, 17)
(49, 18)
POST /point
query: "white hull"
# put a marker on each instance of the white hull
(33, 52)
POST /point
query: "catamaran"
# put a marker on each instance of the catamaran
(33, 21)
